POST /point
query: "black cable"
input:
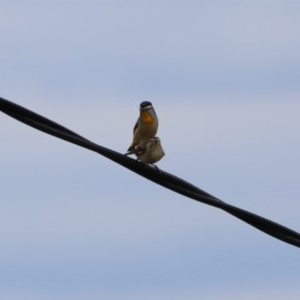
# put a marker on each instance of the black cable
(160, 177)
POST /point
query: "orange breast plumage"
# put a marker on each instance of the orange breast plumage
(147, 117)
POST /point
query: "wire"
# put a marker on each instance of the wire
(160, 177)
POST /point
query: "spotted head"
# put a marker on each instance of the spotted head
(147, 112)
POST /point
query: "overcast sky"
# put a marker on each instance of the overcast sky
(224, 78)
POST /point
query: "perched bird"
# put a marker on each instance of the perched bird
(145, 127)
(152, 151)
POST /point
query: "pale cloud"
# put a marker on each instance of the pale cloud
(99, 48)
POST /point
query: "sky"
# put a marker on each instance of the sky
(224, 79)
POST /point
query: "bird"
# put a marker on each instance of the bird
(145, 128)
(151, 153)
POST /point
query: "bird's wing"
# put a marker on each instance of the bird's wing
(136, 125)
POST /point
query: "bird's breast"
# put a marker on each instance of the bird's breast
(147, 118)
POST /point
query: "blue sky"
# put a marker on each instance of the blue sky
(224, 79)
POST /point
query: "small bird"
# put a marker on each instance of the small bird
(151, 153)
(145, 127)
